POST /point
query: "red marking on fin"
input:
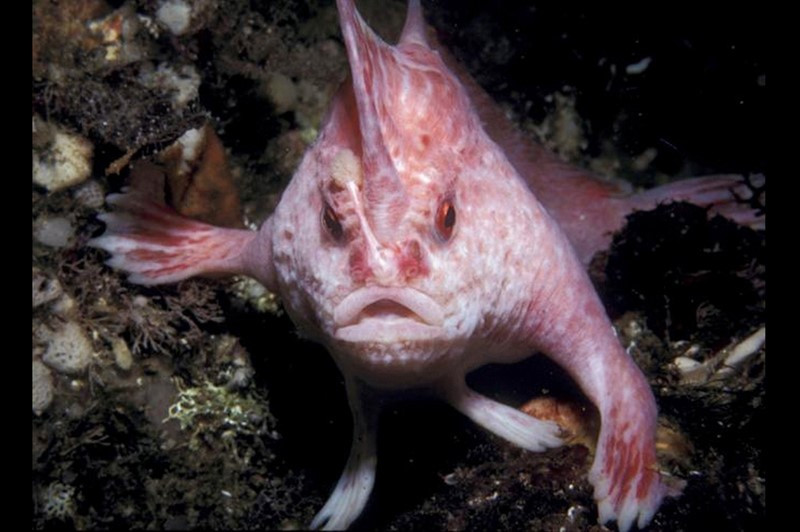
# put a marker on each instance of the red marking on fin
(156, 245)
(628, 487)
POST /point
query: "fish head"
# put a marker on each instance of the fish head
(394, 242)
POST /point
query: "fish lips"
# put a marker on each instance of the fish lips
(387, 314)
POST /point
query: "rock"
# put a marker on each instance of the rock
(183, 83)
(122, 354)
(90, 195)
(55, 232)
(60, 159)
(42, 387)
(69, 350)
(199, 179)
(65, 306)
(45, 289)
(282, 92)
(175, 15)
(58, 501)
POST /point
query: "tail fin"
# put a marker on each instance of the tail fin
(739, 198)
(156, 245)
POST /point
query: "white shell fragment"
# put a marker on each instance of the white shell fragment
(638, 67)
(743, 352)
(686, 364)
(723, 364)
(187, 150)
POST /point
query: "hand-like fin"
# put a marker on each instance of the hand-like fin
(509, 423)
(355, 485)
(156, 245)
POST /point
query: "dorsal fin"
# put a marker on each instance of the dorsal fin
(372, 65)
(414, 27)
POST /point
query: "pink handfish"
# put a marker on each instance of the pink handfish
(422, 237)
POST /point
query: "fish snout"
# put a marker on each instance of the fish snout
(389, 265)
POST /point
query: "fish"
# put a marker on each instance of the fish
(421, 237)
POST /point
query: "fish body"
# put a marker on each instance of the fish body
(421, 237)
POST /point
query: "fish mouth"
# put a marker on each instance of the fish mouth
(387, 314)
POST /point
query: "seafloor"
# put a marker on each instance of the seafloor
(197, 406)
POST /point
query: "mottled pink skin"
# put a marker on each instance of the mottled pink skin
(508, 281)
(358, 252)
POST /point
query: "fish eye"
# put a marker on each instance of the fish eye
(446, 219)
(331, 222)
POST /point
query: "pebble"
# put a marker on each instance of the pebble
(42, 387)
(60, 159)
(55, 232)
(45, 289)
(69, 350)
(122, 354)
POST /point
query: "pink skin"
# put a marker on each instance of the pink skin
(414, 244)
